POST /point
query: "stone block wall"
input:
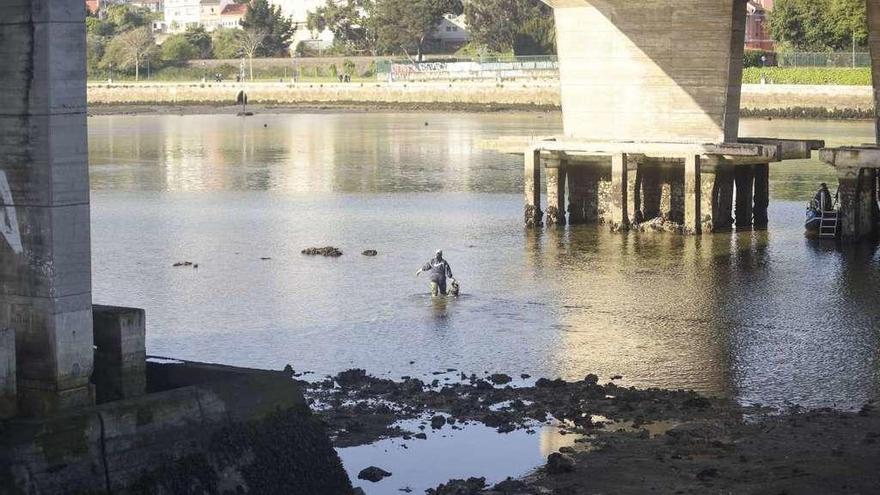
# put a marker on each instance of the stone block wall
(120, 352)
(244, 432)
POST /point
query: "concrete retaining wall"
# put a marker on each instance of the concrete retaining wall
(769, 99)
(250, 432)
(477, 94)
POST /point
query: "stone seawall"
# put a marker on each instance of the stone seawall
(207, 429)
(757, 100)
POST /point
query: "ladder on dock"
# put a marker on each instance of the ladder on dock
(828, 225)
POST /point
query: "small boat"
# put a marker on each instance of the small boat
(821, 224)
(822, 215)
(813, 223)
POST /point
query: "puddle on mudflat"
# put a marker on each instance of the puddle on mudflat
(474, 450)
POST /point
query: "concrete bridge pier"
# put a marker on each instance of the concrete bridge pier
(45, 259)
(674, 187)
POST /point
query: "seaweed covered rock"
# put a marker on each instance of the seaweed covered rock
(328, 251)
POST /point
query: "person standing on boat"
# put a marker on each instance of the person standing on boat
(440, 271)
(822, 200)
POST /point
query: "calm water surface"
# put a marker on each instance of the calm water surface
(764, 317)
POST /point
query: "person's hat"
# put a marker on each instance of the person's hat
(823, 185)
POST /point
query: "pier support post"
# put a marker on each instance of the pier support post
(619, 193)
(693, 218)
(745, 187)
(532, 186)
(583, 199)
(554, 168)
(634, 192)
(762, 196)
(848, 198)
(652, 190)
(722, 207)
(867, 190)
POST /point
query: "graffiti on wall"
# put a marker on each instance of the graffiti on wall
(8, 219)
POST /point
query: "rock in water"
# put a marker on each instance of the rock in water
(370, 252)
(373, 474)
(500, 379)
(437, 422)
(328, 251)
(470, 486)
(559, 463)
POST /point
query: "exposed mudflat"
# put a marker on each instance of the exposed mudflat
(626, 440)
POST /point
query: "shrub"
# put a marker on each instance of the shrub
(836, 76)
(348, 67)
(752, 58)
(334, 72)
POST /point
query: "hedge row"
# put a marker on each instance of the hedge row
(834, 76)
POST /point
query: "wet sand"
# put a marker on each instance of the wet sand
(627, 440)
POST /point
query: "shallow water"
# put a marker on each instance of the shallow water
(764, 317)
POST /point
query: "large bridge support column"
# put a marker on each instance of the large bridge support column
(532, 186)
(45, 264)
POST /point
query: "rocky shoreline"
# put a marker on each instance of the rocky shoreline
(628, 440)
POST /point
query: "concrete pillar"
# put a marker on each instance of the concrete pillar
(581, 197)
(532, 186)
(709, 199)
(619, 193)
(848, 198)
(617, 49)
(867, 203)
(8, 397)
(693, 218)
(45, 260)
(634, 192)
(120, 353)
(652, 190)
(745, 187)
(554, 169)
(722, 206)
(762, 196)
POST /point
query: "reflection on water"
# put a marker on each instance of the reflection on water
(474, 450)
(764, 317)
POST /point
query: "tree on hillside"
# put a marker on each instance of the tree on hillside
(405, 24)
(278, 30)
(819, 25)
(250, 41)
(225, 43)
(502, 25)
(131, 49)
(177, 48)
(350, 21)
(198, 37)
(125, 17)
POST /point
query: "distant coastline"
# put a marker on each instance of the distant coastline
(770, 100)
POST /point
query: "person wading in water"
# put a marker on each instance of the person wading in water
(440, 271)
